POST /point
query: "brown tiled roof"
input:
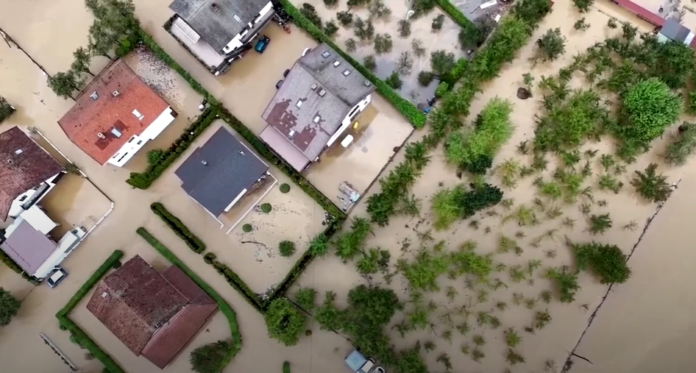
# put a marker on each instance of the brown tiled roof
(176, 334)
(134, 301)
(153, 314)
(23, 166)
(89, 117)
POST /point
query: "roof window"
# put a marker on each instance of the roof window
(322, 93)
(336, 63)
(346, 72)
(317, 118)
(137, 114)
(18, 151)
(298, 104)
(115, 132)
(94, 96)
(326, 54)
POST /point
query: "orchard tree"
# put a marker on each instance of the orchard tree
(651, 185)
(101, 41)
(647, 109)
(284, 321)
(9, 306)
(207, 358)
(441, 62)
(63, 84)
(81, 62)
(583, 5)
(550, 46)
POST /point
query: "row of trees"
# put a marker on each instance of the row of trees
(115, 28)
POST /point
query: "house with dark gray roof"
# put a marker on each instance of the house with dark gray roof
(317, 102)
(673, 30)
(219, 173)
(218, 32)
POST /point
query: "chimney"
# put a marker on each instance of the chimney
(101, 136)
(115, 93)
(204, 163)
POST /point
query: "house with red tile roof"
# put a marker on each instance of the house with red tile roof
(27, 172)
(116, 115)
(155, 315)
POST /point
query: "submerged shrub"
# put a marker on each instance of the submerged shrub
(608, 262)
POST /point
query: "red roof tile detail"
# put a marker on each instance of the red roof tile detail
(24, 165)
(177, 333)
(153, 314)
(133, 302)
(89, 118)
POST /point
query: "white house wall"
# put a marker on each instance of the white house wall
(348, 120)
(135, 143)
(238, 41)
(16, 208)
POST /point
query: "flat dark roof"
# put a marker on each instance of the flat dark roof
(216, 173)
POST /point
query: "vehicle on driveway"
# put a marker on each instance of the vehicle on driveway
(55, 278)
(280, 83)
(262, 44)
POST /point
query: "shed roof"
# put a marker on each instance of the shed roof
(24, 165)
(317, 94)
(217, 172)
(217, 21)
(104, 117)
(674, 30)
(28, 247)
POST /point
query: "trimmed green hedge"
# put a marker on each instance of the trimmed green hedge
(407, 109)
(238, 284)
(181, 230)
(457, 16)
(89, 284)
(82, 338)
(143, 180)
(224, 307)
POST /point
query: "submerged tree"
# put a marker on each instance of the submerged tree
(284, 322)
(682, 145)
(207, 358)
(651, 185)
(550, 46)
(64, 84)
(608, 262)
(9, 306)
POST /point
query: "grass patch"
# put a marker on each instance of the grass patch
(225, 308)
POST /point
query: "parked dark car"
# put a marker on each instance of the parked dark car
(55, 278)
(280, 83)
(262, 44)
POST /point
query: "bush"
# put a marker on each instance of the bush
(583, 5)
(9, 306)
(284, 188)
(404, 27)
(305, 298)
(378, 9)
(682, 145)
(225, 308)
(492, 130)
(647, 109)
(606, 261)
(393, 80)
(284, 322)
(449, 206)
(370, 62)
(550, 46)
(330, 28)
(383, 43)
(425, 78)
(437, 23)
(246, 228)
(344, 18)
(566, 281)
(364, 30)
(310, 13)
(351, 46)
(181, 230)
(330, 3)
(442, 89)
(209, 258)
(266, 208)
(286, 248)
(286, 367)
(651, 185)
(441, 62)
(5, 109)
(206, 359)
(407, 109)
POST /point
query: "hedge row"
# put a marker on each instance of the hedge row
(143, 180)
(238, 284)
(85, 341)
(82, 338)
(457, 16)
(302, 264)
(181, 230)
(224, 307)
(407, 109)
(91, 281)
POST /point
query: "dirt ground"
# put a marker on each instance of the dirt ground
(446, 39)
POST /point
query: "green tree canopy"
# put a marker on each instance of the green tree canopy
(608, 262)
(284, 321)
(63, 84)
(647, 109)
(5, 109)
(207, 358)
(9, 306)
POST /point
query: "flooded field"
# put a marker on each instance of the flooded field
(420, 29)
